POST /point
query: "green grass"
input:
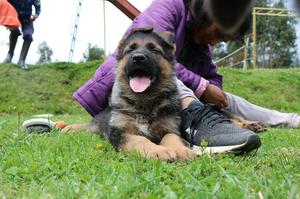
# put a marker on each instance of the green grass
(46, 88)
(83, 165)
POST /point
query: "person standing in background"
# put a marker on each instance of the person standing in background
(24, 10)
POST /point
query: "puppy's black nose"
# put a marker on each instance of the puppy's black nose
(139, 57)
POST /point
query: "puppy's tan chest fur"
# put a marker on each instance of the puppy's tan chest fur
(147, 124)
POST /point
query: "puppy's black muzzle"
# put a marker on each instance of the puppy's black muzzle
(141, 63)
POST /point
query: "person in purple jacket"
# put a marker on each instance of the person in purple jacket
(196, 24)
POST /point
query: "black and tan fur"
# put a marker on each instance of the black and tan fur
(147, 122)
(254, 126)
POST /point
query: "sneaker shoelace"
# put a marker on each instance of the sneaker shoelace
(209, 114)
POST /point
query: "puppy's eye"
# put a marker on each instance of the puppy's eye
(131, 48)
(153, 48)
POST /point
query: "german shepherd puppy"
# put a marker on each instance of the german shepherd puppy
(144, 110)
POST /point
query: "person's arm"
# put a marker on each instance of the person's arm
(196, 68)
(207, 90)
(193, 81)
(37, 6)
(214, 93)
(93, 95)
(208, 86)
(213, 76)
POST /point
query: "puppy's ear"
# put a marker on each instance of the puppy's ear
(121, 44)
(229, 14)
(167, 36)
(120, 47)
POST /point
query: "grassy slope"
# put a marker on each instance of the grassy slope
(46, 88)
(85, 166)
(278, 89)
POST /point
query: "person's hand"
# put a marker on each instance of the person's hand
(34, 17)
(214, 95)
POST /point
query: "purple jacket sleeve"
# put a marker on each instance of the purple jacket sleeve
(213, 76)
(191, 80)
(199, 70)
(93, 95)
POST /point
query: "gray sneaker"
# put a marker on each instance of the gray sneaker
(208, 131)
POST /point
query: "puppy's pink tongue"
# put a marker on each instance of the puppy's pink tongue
(139, 84)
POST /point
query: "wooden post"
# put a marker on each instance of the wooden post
(126, 7)
(245, 52)
(254, 39)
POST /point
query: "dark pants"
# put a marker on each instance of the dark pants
(27, 28)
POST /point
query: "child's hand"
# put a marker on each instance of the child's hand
(214, 95)
(34, 17)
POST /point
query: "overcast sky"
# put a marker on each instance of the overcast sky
(56, 23)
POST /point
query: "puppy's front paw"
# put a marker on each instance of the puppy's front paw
(162, 153)
(74, 128)
(68, 129)
(184, 153)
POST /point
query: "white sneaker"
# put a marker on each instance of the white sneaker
(295, 121)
